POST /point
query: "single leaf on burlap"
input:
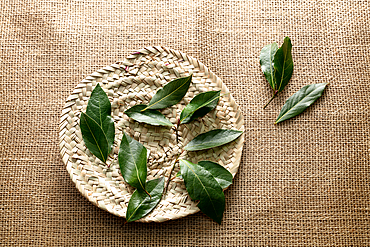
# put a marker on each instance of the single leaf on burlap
(132, 159)
(170, 94)
(199, 106)
(283, 65)
(141, 204)
(299, 101)
(152, 117)
(94, 137)
(202, 186)
(213, 138)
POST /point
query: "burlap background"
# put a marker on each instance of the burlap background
(302, 182)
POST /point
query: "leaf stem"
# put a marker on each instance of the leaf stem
(177, 130)
(147, 193)
(273, 97)
(168, 181)
(169, 176)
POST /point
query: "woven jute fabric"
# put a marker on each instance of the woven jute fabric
(304, 182)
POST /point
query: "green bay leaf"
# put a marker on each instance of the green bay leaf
(152, 117)
(202, 186)
(170, 94)
(300, 101)
(109, 131)
(99, 109)
(213, 138)
(94, 137)
(266, 61)
(141, 204)
(199, 106)
(283, 65)
(222, 176)
(132, 159)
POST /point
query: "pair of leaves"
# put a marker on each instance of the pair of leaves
(132, 159)
(169, 95)
(141, 203)
(277, 64)
(97, 125)
(204, 182)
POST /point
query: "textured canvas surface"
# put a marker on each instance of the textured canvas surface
(303, 182)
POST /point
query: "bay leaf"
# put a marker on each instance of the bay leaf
(222, 176)
(299, 101)
(132, 159)
(213, 138)
(152, 117)
(266, 61)
(94, 137)
(109, 131)
(99, 109)
(199, 106)
(283, 65)
(202, 186)
(170, 94)
(141, 204)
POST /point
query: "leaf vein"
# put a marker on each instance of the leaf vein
(137, 171)
(95, 139)
(295, 105)
(136, 209)
(205, 104)
(167, 95)
(201, 144)
(202, 186)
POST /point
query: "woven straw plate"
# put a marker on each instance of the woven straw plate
(135, 81)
